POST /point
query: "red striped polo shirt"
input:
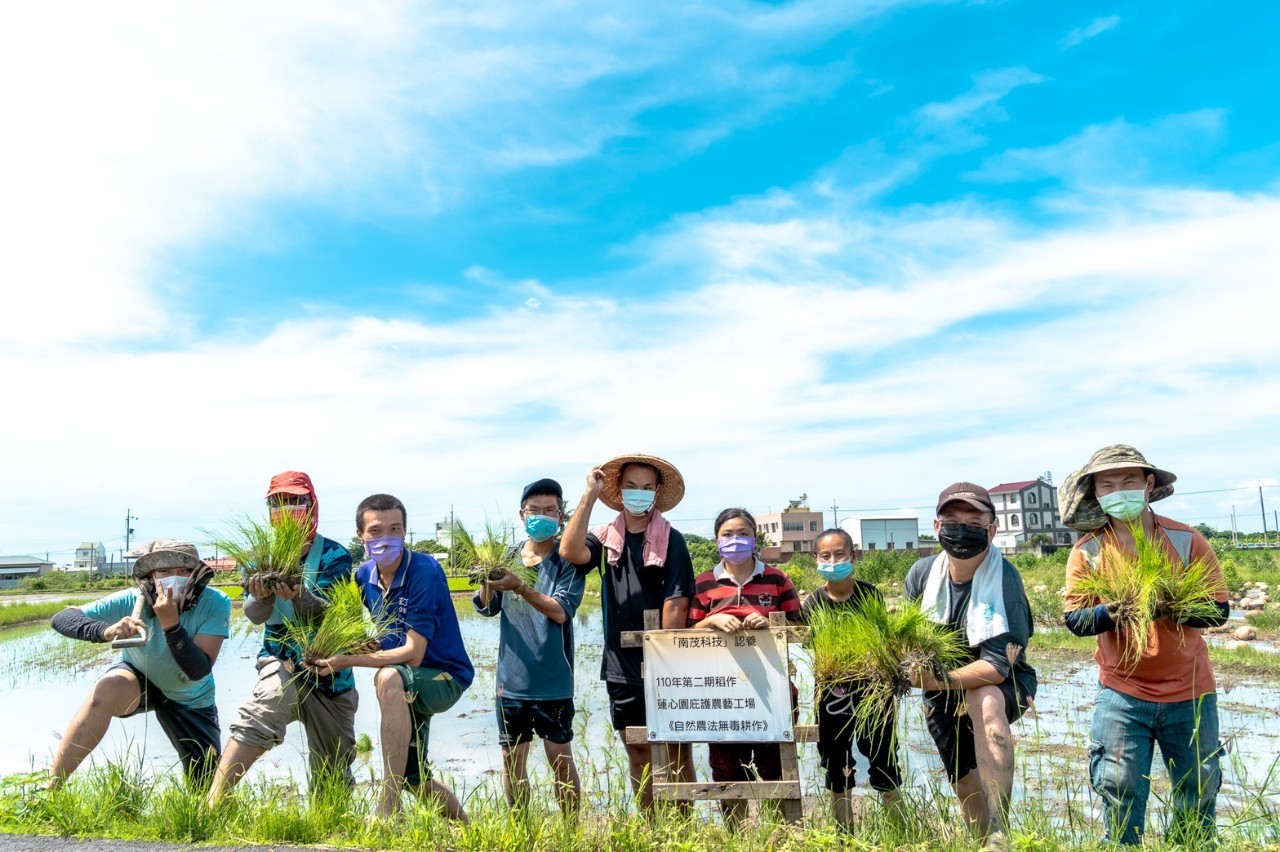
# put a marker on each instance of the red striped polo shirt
(766, 590)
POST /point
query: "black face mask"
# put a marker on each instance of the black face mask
(964, 543)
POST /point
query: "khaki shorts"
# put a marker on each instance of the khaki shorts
(279, 698)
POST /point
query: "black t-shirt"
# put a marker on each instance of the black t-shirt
(630, 588)
(819, 597)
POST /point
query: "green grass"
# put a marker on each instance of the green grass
(119, 801)
(876, 648)
(24, 613)
(267, 550)
(1266, 621)
(345, 628)
(1142, 584)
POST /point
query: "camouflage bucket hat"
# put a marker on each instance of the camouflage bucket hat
(164, 554)
(1079, 506)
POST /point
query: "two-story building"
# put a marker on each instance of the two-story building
(1027, 509)
(793, 530)
(90, 556)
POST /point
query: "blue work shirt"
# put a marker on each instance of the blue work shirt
(535, 655)
(419, 600)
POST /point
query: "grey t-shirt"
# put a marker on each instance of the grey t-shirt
(997, 649)
(535, 655)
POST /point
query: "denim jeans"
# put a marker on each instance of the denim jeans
(1125, 733)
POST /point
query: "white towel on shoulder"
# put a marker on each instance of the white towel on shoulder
(986, 615)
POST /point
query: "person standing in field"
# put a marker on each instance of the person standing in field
(739, 594)
(285, 691)
(971, 588)
(423, 668)
(535, 650)
(178, 625)
(835, 704)
(645, 565)
(1168, 696)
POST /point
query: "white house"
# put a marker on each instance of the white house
(1025, 509)
(90, 556)
(883, 533)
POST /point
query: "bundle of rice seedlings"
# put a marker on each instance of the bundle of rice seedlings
(266, 551)
(346, 627)
(489, 557)
(874, 650)
(1144, 585)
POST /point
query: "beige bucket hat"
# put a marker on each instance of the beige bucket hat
(670, 487)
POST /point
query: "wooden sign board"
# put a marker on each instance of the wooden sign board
(707, 686)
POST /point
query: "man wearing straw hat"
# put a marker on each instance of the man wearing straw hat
(1168, 695)
(171, 628)
(645, 565)
(285, 691)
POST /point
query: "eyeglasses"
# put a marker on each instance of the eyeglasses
(953, 527)
(279, 501)
(545, 512)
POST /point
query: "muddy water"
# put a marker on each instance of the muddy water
(45, 677)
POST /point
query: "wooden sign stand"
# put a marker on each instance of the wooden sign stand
(786, 790)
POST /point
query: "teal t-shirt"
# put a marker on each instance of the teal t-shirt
(211, 616)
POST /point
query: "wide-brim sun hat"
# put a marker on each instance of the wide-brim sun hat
(164, 554)
(1078, 503)
(670, 490)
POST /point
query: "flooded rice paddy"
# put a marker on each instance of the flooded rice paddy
(45, 677)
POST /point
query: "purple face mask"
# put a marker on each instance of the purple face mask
(736, 548)
(384, 551)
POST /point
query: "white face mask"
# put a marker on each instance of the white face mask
(174, 584)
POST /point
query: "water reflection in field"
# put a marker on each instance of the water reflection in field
(46, 677)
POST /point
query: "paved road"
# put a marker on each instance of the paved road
(28, 843)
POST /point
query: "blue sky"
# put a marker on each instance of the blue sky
(854, 250)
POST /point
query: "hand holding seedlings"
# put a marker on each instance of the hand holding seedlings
(287, 592)
(329, 666)
(124, 628)
(923, 678)
(166, 608)
(508, 582)
(258, 589)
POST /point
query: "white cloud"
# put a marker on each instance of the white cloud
(1096, 27)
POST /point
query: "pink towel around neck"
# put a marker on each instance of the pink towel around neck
(656, 538)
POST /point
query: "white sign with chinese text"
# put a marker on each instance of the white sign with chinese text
(708, 686)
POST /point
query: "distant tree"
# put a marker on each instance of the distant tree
(356, 548)
(429, 545)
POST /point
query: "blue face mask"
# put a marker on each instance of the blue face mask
(540, 527)
(637, 501)
(835, 570)
(1124, 505)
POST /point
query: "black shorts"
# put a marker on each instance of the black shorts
(626, 705)
(837, 735)
(193, 731)
(952, 729)
(519, 719)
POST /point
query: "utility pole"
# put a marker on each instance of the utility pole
(410, 539)
(1234, 543)
(128, 527)
(1264, 517)
(452, 567)
(835, 515)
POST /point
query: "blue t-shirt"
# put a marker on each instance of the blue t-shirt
(535, 655)
(211, 617)
(325, 564)
(419, 600)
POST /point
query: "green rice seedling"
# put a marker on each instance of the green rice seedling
(876, 649)
(345, 628)
(1144, 585)
(269, 551)
(487, 558)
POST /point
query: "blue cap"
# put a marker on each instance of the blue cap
(541, 487)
